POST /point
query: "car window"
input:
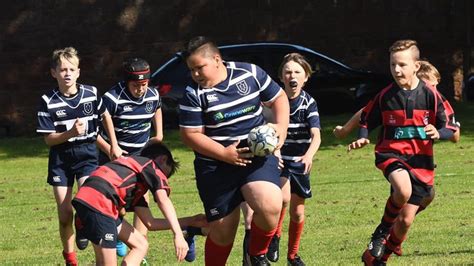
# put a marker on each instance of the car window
(248, 57)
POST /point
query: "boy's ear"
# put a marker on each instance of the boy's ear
(417, 65)
(53, 72)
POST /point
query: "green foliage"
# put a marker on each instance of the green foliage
(349, 194)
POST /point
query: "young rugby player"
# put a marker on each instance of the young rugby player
(68, 119)
(120, 185)
(412, 115)
(216, 114)
(300, 146)
(429, 74)
(134, 108)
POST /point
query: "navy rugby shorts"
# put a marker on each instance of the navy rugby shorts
(419, 190)
(299, 181)
(69, 162)
(219, 183)
(98, 228)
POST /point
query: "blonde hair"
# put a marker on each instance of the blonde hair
(69, 53)
(427, 70)
(402, 45)
(299, 59)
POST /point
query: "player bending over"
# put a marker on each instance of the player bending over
(120, 185)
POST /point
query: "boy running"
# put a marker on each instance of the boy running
(216, 114)
(412, 115)
(300, 146)
(68, 118)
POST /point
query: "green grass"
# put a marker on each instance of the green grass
(348, 200)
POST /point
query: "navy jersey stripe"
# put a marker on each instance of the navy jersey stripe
(304, 115)
(132, 117)
(58, 113)
(229, 110)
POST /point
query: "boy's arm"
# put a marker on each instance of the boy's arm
(157, 224)
(281, 114)
(158, 124)
(307, 158)
(199, 142)
(167, 208)
(79, 128)
(115, 151)
(102, 144)
(342, 131)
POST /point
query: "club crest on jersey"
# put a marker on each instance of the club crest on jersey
(149, 107)
(426, 118)
(242, 88)
(88, 110)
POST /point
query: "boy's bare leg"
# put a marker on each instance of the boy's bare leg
(105, 256)
(63, 196)
(135, 241)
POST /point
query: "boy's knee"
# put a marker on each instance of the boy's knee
(405, 221)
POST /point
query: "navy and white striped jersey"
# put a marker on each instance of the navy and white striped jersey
(58, 113)
(233, 107)
(132, 117)
(303, 116)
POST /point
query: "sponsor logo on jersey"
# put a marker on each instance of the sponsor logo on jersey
(218, 117)
(109, 237)
(127, 108)
(214, 211)
(61, 113)
(149, 107)
(212, 98)
(410, 133)
(242, 88)
(88, 110)
(56, 179)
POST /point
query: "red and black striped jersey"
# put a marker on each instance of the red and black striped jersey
(121, 184)
(402, 115)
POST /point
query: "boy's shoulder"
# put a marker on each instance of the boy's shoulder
(88, 88)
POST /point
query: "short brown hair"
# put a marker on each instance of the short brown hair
(427, 70)
(298, 58)
(69, 53)
(402, 45)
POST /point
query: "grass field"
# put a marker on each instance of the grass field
(348, 200)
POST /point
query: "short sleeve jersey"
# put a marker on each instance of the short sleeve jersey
(402, 116)
(304, 115)
(229, 110)
(121, 184)
(132, 117)
(58, 113)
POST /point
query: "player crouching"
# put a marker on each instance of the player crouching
(120, 185)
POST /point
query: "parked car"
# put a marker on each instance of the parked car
(336, 87)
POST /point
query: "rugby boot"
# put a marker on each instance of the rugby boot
(297, 261)
(273, 253)
(376, 245)
(260, 260)
(121, 249)
(191, 255)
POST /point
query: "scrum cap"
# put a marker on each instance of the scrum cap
(136, 69)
